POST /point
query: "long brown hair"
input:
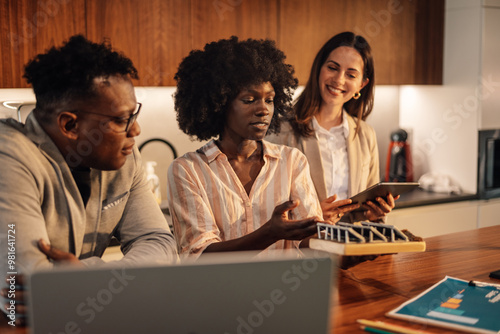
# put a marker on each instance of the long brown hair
(309, 101)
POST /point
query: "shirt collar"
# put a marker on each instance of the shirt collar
(212, 151)
(344, 125)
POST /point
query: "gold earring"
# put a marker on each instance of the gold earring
(356, 95)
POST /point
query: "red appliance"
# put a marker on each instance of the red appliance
(399, 167)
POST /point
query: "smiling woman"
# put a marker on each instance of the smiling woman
(238, 192)
(328, 126)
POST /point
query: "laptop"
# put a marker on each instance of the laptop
(227, 294)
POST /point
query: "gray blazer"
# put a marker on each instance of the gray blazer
(40, 199)
(362, 153)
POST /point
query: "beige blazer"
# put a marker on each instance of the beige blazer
(362, 152)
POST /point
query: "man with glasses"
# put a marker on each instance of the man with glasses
(71, 177)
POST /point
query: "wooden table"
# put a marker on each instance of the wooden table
(373, 288)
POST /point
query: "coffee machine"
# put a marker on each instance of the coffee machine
(399, 167)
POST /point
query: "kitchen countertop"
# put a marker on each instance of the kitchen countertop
(419, 197)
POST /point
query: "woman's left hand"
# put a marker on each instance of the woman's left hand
(375, 211)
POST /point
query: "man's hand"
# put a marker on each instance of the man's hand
(57, 255)
(333, 210)
(19, 296)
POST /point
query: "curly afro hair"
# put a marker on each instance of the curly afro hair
(209, 80)
(66, 74)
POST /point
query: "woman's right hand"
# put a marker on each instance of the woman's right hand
(334, 210)
(280, 227)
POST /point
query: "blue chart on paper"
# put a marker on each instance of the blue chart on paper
(456, 303)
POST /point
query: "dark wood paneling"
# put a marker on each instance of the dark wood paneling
(390, 30)
(133, 27)
(305, 26)
(56, 22)
(155, 34)
(214, 20)
(15, 42)
(406, 36)
(176, 37)
(429, 42)
(389, 26)
(29, 27)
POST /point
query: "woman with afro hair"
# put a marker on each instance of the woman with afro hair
(239, 192)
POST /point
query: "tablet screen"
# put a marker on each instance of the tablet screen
(383, 189)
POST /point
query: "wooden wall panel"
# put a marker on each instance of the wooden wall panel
(176, 37)
(389, 27)
(429, 42)
(214, 20)
(29, 27)
(155, 34)
(390, 30)
(132, 27)
(305, 26)
(15, 42)
(406, 36)
(56, 22)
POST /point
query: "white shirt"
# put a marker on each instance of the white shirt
(333, 147)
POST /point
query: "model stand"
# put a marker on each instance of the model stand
(365, 238)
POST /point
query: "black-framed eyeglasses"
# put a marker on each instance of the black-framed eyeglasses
(119, 124)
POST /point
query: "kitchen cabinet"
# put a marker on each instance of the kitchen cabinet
(431, 220)
(28, 28)
(214, 20)
(489, 212)
(406, 36)
(490, 72)
(153, 33)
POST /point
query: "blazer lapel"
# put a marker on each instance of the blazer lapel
(310, 147)
(353, 157)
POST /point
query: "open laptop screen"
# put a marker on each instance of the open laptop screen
(223, 294)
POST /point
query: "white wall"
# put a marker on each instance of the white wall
(444, 119)
(384, 119)
(14, 95)
(490, 112)
(157, 120)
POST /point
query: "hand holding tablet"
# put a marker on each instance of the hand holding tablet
(382, 189)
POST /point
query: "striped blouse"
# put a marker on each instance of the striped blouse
(208, 203)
